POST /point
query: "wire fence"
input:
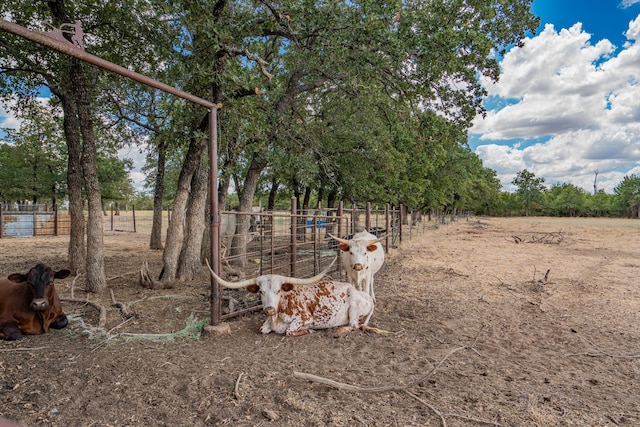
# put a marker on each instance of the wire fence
(290, 243)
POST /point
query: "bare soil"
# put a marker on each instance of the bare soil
(511, 322)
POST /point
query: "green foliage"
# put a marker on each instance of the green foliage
(32, 160)
(628, 195)
(368, 100)
(114, 180)
(530, 189)
(566, 200)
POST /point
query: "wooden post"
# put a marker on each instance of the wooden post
(339, 218)
(133, 210)
(387, 226)
(55, 219)
(367, 219)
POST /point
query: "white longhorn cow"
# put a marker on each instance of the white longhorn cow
(362, 256)
(297, 306)
(229, 222)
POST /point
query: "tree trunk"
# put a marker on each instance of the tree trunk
(158, 195)
(71, 124)
(77, 249)
(273, 192)
(175, 233)
(332, 197)
(240, 241)
(223, 189)
(190, 265)
(96, 280)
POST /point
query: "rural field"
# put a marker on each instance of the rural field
(491, 321)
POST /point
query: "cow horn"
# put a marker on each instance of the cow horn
(379, 239)
(310, 280)
(339, 240)
(232, 285)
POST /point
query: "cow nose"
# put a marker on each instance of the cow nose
(357, 267)
(39, 304)
(269, 311)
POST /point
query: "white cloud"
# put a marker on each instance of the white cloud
(138, 157)
(7, 119)
(579, 98)
(628, 3)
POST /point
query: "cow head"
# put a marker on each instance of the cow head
(40, 279)
(357, 249)
(269, 286)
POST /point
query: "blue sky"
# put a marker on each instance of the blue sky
(566, 105)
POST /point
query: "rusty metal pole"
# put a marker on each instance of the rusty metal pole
(214, 222)
(70, 49)
(293, 249)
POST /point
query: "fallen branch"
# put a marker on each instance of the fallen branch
(430, 406)
(73, 284)
(131, 273)
(102, 319)
(22, 349)
(400, 387)
(146, 281)
(602, 353)
(118, 326)
(125, 311)
(367, 328)
(236, 393)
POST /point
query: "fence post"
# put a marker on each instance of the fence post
(133, 210)
(314, 242)
(292, 244)
(112, 217)
(1, 222)
(354, 217)
(55, 219)
(340, 213)
(35, 217)
(387, 226)
(367, 219)
(400, 221)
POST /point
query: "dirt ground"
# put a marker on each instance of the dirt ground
(510, 322)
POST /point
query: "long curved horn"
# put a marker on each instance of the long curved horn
(231, 285)
(310, 280)
(380, 239)
(339, 240)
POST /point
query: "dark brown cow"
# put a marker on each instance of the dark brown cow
(29, 303)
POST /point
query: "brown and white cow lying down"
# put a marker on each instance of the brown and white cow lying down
(29, 303)
(297, 306)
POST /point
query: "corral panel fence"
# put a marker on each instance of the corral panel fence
(290, 243)
(299, 244)
(29, 220)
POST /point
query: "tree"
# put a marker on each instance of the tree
(627, 195)
(601, 203)
(530, 188)
(357, 100)
(567, 200)
(32, 162)
(25, 67)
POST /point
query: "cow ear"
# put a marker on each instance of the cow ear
(372, 248)
(253, 289)
(286, 287)
(17, 277)
(62, 274)
(344, 247)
